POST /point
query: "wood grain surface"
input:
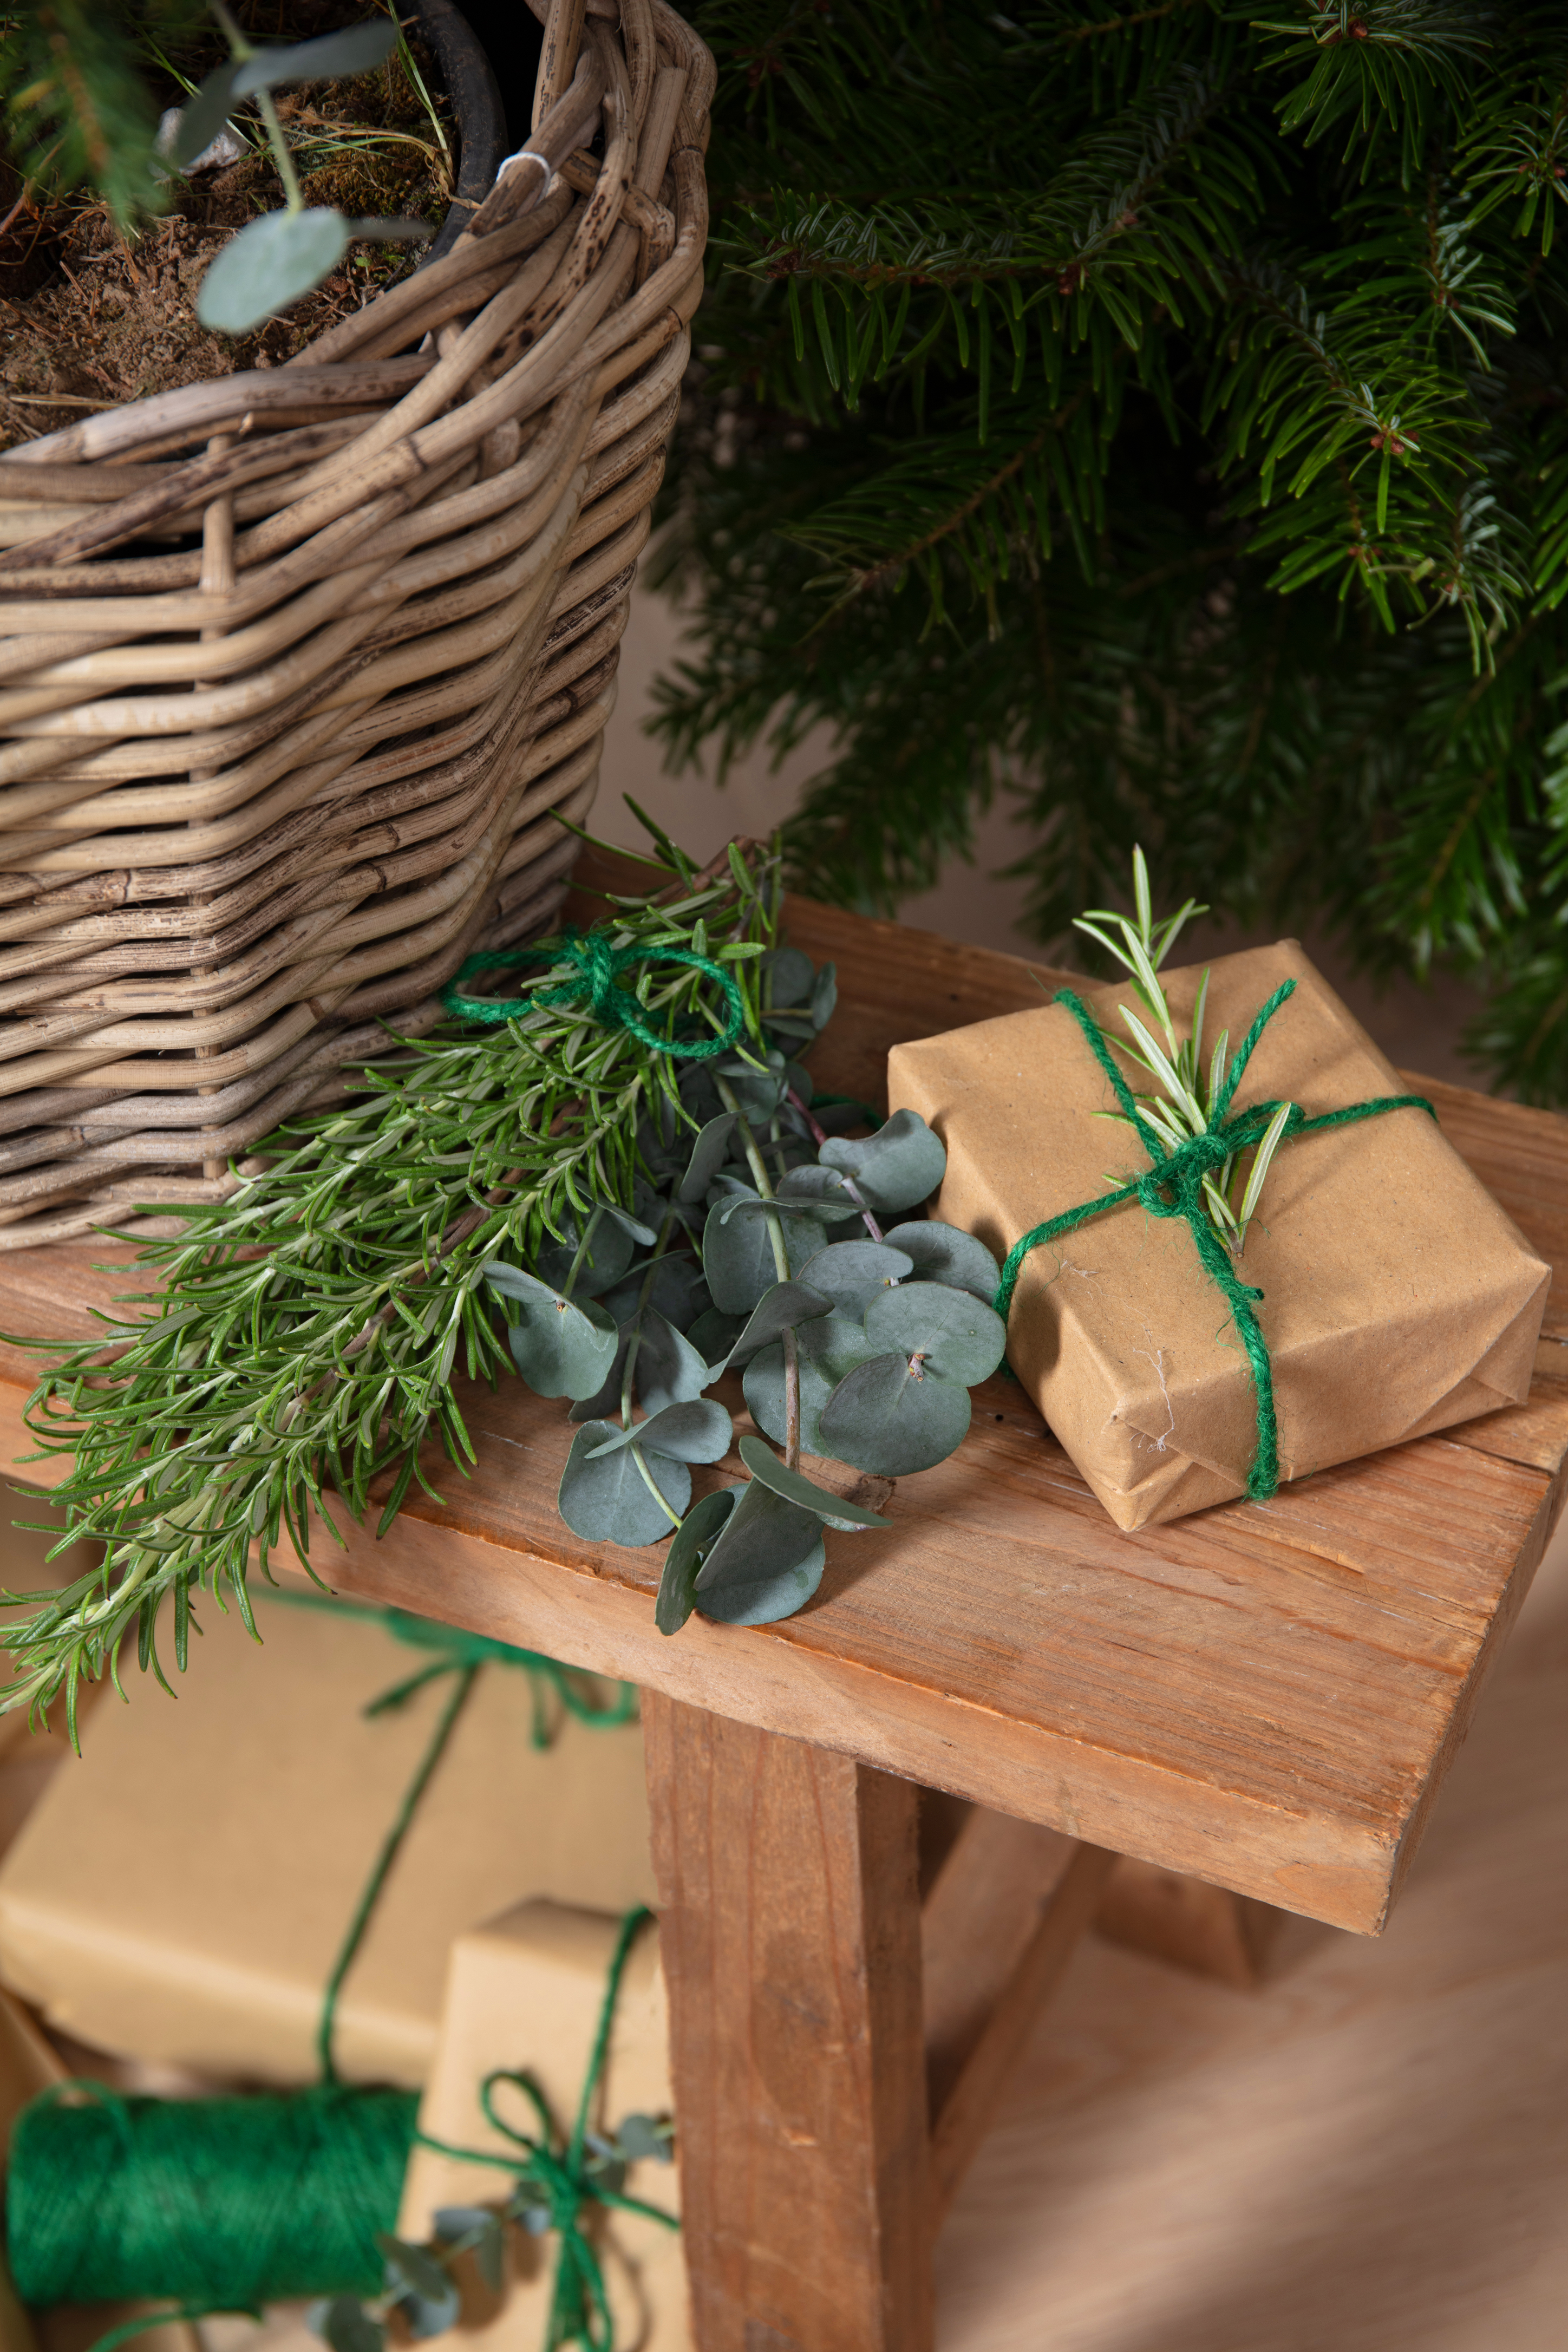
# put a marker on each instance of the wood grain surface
(789, 1928)
(1368, 2154)
(1267, 1698)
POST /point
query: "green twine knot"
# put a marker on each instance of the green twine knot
(1172, 1187)
(458, 1649)
(560, 2174)
(597, 967)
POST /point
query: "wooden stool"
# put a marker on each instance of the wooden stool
(1263, 1700)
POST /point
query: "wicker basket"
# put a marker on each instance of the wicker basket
(262, 795)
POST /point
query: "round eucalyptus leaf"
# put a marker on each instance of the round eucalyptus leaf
(825, 995)
(475, 2230)
(713, 1335)
(607, 1499)
(893, 1417)
(709, 1153)
(605, 1400)
(354, 51)
(674, 1284)
(345, 2325)
(959, 1335)
(828, 1346)
(830, 1508)
(738, 1254)
(696, 1430)
(694, 1539)
(855, 1272)
(781, 1310)
(563, 1347)
(641, 2140)
(669, 1370)
(629, 1225)
(767, 1563)
(790, 976)
(609, 1253)
(815, 1184)
(942, 1254)
(204, 116)
(758, 1092)
(270, 264)
(424, 2290)
(899, 1167)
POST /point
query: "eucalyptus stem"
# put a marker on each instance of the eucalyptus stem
(781, 1267)
(819, 1137)
(634, 1344)
(293, 200)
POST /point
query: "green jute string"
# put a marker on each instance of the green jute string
(225, 2205)
(597, 967)
(458, 1648)
(556, 2168)
(1172, 1187)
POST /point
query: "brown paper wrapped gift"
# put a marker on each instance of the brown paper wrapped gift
(179, 1895)
(524, 1993)
(1398, 1298)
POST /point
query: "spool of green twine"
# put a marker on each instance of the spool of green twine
(223, 2204)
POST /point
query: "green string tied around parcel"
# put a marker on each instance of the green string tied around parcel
(560, 2172)
(1172, 1187)
(597, 967)
(226, 2205)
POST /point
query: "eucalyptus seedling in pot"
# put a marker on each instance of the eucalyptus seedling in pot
(272, 261)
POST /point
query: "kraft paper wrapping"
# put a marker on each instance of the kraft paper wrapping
(179, 1895)
(524, 1992)
(1398, 1298)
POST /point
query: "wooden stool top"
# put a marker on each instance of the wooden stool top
(1266, 1697)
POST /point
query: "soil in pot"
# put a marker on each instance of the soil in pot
(89, 319)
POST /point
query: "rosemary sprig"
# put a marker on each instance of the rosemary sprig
(1191, 1096)
(306, 1330)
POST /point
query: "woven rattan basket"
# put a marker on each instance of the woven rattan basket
(260, 794)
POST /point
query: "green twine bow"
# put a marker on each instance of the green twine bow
(1172, 1187)
(560, 2172)
(458, 1648)
(598, 967)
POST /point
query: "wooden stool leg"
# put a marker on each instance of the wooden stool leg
(790, 1927)
(1189, 1923)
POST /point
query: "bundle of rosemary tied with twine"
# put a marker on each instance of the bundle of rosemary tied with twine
(227, 2204)
(625, 1163)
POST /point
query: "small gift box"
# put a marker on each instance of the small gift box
(525, 1995)
(1388, 1294)
(180, 1895)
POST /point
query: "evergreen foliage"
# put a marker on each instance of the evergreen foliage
(1159, 411)
(75, 103)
